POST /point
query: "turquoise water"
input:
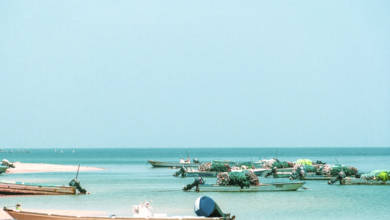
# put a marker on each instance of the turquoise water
(128, 180)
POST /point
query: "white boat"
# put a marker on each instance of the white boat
(205, 207)
(155, 163)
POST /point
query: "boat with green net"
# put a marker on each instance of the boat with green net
(188, 172)
(375, 177)
(271, 187)
(245, 181)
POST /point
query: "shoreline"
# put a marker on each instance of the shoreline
(47, 168)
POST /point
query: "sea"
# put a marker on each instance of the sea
(128, 180)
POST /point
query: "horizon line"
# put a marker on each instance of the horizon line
(170, 147)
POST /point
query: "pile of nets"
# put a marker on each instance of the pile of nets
(282, 164)
(215, 166)
(300, 171)
(227, 166)
(304, 162)
(380, 175)
(334, 170)
(205, 166)
(220, 167)
(276, 163)
(310, 168)
(248, 164)
(242, 179)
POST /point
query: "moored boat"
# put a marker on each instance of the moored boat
(272, 187)
(316, 177)
(307, 176)
(165, 164)
(358, 181)
(20, 188)
(204, 207)
(23, 215)
(361, 181)
(197, 173)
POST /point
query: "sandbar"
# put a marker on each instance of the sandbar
(47, 168)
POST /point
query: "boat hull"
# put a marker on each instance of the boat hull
(23, 215)
(26, 189)
(309, 176)
(260, 188)
(317, 177)
(358, 181)
(171, 164)
(257, 172)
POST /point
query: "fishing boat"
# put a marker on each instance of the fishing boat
(205, 207)
(21, 188)
(196, 173)
(316, 177)
(361, 181)
(24, 215)
(271, 187)
(165, 164)
(308, 176)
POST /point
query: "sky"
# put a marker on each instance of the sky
(173, 73)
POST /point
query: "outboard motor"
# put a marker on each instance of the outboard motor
(206, 207)
(8, 164)
(75, 183)
(195, 184)
(340, 177)
(181, 171)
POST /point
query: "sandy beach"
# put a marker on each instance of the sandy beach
(42, 168)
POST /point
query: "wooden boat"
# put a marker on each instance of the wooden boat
(19, 188)
(23, 215)
(272, 187)
(3, 169)
(155, 163)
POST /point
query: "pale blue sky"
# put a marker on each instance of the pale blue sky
(194, 73)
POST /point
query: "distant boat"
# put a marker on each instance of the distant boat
(155, 163)
(272, 187)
